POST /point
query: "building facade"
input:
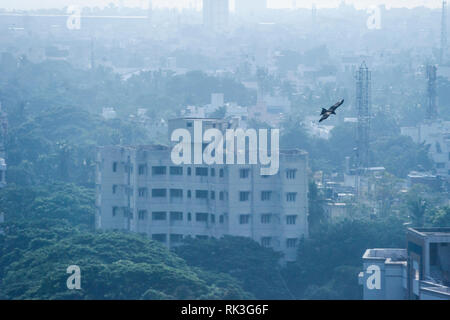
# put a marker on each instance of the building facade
(216, 14)
(419, 272)
(139, 189)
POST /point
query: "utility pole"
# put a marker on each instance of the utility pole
(363, 89)
(443, 33)
(431, 93)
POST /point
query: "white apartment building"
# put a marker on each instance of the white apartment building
(139, 189)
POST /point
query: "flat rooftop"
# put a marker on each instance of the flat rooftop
(389, 255)
(431, 231)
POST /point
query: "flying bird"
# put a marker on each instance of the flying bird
(326, 113)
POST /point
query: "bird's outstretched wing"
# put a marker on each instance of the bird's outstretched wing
(324, 117)
(337, 105)
(323, 111)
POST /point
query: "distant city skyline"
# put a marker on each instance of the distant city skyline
(31, 4)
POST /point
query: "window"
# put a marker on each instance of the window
(266, 241)
(213, 218)
(189, 216)
(201, 217)
(114, 189)
(176, 216)
(176, 238)
(114, 167)
(291, 196)
(213, 172)
(115, 210)
(159, 216)
(142, 214)
(161, 237)
(438, 147)
(221, 195)
(201, 194)
(159, 193)
(127, 214)
(244, 218)
(291, 243)
(143, 192)
(221, 173)
(244, 173)
(290, 174)
(176, 193)
(189, 194)
(291, 219)
(266, 218)
(221, 219)
(142, 169)
(202, 237)
(158, 171)
(189, 125)
(176, 171)
(244, 196)
(266, 195)
(213, 195)
(189, 171)
(201, 172)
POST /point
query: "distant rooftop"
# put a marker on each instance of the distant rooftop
(390, 255)
(427, 232)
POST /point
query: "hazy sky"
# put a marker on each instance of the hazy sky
(34, 4)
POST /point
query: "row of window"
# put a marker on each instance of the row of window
(178, 171)
(200, 171)
(176, 238)
(173, 216)
(178, 193)
(267, 196)
(203, 194)
(201, 217)
(267, 219)
(290, 243)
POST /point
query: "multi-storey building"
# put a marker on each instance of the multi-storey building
(216, 14)
(140, 189)
(419, 272)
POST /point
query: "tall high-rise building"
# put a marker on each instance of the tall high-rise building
(250, 7)
(216, 14)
